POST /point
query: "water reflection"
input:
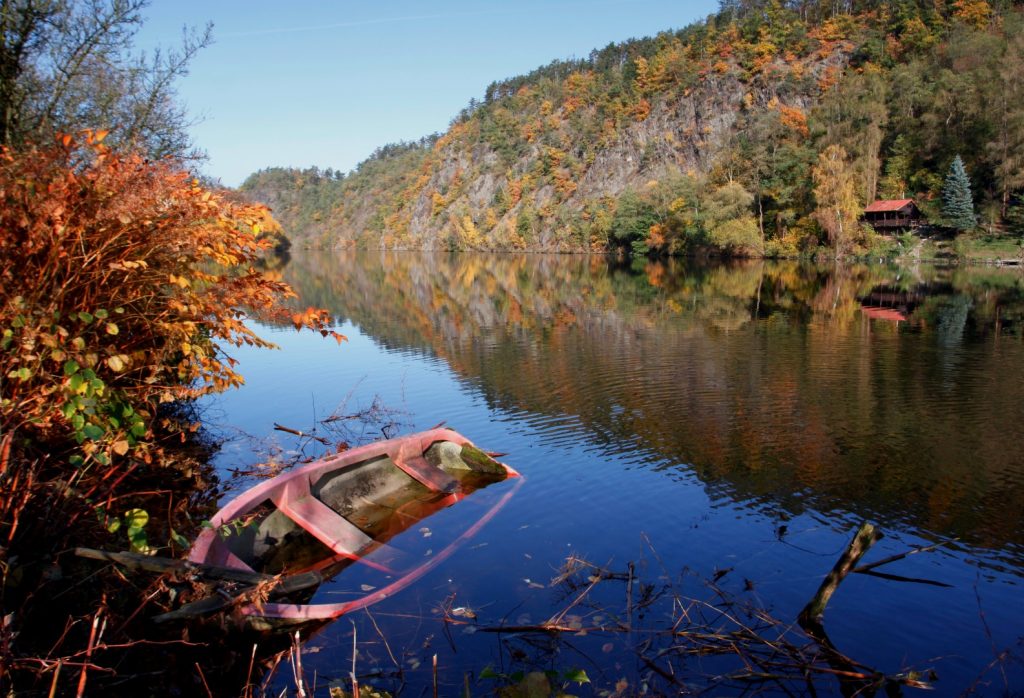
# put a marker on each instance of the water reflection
(867, 389)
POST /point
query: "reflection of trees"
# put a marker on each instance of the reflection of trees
(763, 378)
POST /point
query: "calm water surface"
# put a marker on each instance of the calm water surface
(697, 421)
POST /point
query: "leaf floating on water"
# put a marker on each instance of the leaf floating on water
(607, 647)
(532, 584)
(367, 587)
(426, 532)
(463, 612)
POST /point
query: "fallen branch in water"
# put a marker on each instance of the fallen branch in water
(865, 537)
(301, 434)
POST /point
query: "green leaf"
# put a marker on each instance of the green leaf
(577, 676)
(114, 526)
(76, 383)
(489, 673)
(112, 328)
(71, 367)
(139, 542)
(7, 338)
(179, 540)
(101, 314)
(136, 518)
(18, 321)
(23, 373)
(93, 432)
(85, 317)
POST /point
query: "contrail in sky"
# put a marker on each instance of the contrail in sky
(405, 18)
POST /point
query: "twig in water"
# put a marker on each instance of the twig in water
(202, 678)
(296, 656)
(56, 675)
(88, 652)
(352, 674)
(248, 674)
(861, 569)
(301, 434)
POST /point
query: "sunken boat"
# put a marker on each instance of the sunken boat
(341, 511)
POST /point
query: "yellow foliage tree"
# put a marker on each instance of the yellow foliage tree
(836, 194)
(976, 13)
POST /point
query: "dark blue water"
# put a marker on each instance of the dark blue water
(698, 422)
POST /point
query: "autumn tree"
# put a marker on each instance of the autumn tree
(730, 223)
(957, 201)
(836, 194)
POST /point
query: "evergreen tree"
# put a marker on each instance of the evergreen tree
(957, 204)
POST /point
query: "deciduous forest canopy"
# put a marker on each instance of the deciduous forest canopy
(765, 128)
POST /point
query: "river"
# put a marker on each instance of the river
(717, 430)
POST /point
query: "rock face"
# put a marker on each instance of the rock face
(540, 164)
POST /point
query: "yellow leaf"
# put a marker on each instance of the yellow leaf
(111, 328)
(100, 135)
(120, 447)
(115, 363)
(186, 348)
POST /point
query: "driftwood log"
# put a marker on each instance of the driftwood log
(814, 611)
(220, 599)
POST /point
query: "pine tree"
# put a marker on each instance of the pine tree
(957, 203)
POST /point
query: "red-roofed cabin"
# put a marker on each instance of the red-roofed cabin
(893, 214)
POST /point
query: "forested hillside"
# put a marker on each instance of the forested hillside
(763, 130)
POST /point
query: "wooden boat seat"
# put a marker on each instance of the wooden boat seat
(410, 459)
(331, 529)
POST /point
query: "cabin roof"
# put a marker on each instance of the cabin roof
(887, 205)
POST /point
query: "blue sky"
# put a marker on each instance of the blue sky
(325, 83)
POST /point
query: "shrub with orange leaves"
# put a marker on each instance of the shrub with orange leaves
(123, 280)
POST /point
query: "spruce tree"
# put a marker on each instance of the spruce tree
(957, 203)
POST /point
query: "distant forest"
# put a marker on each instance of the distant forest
(763, 130)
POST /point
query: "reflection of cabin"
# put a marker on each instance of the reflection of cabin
(893, 214)
(892, 303)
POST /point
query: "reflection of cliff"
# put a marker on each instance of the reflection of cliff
(766, 380)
